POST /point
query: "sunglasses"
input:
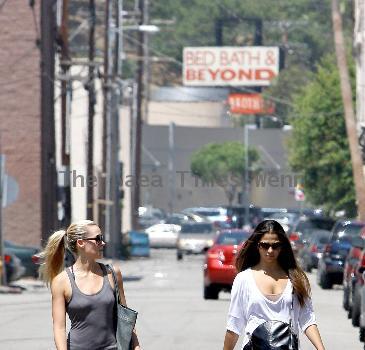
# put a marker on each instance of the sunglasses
(266, 246)
(98, 239)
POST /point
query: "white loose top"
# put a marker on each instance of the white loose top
(250, 308)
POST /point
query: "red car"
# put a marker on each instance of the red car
(219, 269)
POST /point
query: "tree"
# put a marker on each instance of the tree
(319, 148)
(223, 165)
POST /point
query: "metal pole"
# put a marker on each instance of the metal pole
(91, 111)
(65, 109)
(246, 185)
(171, 167)
(146, 64)
(48, 168)
(133, 133)
(139, 121)
(3, 280)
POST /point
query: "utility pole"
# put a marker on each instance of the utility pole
(48, 161)
(359, 49)
(115, 168)
(111, 165)
(139, 120)
(105, 214)
(91, 110)
(349, 112)
(65, 103)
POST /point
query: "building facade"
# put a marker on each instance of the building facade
(20, 120)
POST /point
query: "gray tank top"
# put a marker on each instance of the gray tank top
(93, 325)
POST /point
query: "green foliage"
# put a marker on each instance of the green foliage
(287, 85)
(319, 148)
(223, 165)
(305, 23)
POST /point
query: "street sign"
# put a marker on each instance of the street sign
(250, 104)
(299, 194)
(230, 66)
(11, 190)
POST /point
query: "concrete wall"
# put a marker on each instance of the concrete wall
(208, 114)
(20, 119)
(272, 189)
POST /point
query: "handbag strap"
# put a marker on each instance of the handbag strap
(116, 287)
(292, 309)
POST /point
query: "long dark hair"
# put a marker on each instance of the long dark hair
(249, 256)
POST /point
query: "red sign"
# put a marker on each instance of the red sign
(250, 104)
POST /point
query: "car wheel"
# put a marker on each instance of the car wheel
(345, 299)
(211, 292)
(325, 282)
(179, 255)
(362, 334)
(349, 312)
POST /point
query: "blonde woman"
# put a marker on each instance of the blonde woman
(85, 291)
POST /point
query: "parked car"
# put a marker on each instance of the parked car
(303, 228)
(359, 297)
(287, 220)
(24, 253)
(163, 235)
(351, 263)
(219, 269)
(313, 249)
(181, 218)
(353, 280)
(195, 238)
(13, 266)
(216, 215)
(148, 216)
(331, 265)
(236, 215)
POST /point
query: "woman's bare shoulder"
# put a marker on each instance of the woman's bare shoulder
(60, 281)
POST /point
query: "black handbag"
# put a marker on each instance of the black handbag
(274, 335)
(126, 319)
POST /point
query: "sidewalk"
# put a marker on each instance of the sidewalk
(23, 284)
(131, 272)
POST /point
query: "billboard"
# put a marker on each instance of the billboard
(249, 104)
(230, 66)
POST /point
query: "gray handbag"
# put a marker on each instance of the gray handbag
(126, 319)
(275, 335)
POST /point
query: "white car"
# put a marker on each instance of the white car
(163, 235)
(217, 214)
(195, 238)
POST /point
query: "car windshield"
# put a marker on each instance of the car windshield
(232, 238)
(196, 228)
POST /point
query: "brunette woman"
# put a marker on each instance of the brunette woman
(85, 291)
(270, 286)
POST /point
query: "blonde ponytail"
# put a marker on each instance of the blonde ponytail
(53, 257)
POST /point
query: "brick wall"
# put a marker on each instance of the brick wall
(20, 118)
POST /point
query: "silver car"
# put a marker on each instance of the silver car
(195, 238)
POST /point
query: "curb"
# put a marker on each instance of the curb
(10, 290)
